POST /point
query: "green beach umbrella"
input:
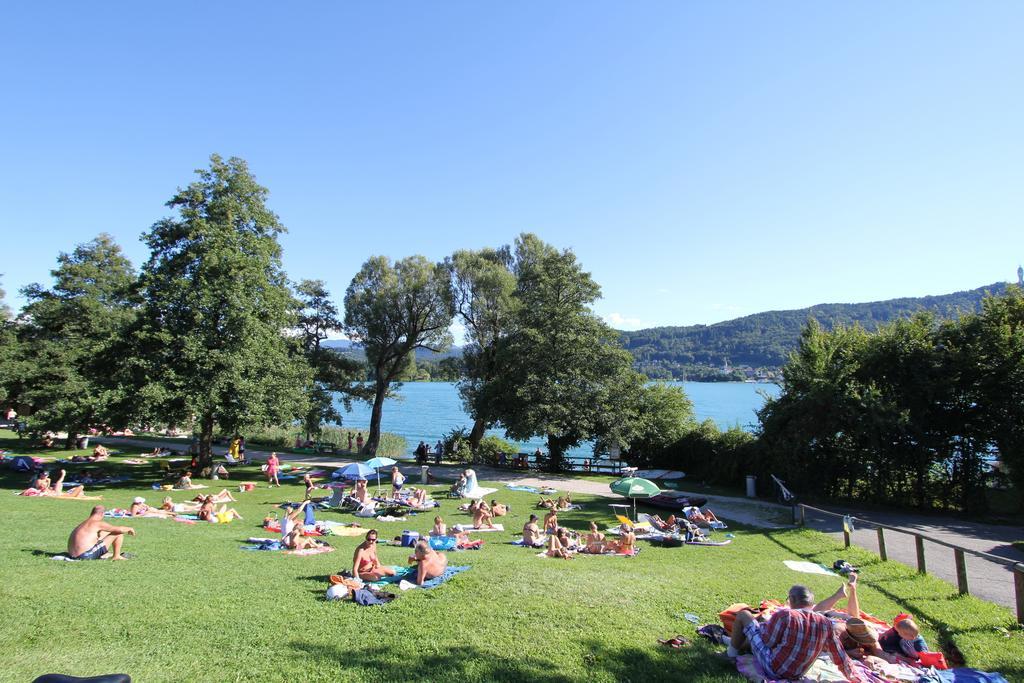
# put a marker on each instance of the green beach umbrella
(634, 487)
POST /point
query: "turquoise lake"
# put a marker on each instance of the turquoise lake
(426, 410)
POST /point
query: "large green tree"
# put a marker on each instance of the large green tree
(483, 286)
(562, 373)
(213, 344)
(334, 375)
(67, 334)
(392, 310)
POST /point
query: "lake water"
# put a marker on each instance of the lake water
(426, 410)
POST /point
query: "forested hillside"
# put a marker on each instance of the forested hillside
(764, 340)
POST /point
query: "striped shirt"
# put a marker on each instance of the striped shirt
(797, 637)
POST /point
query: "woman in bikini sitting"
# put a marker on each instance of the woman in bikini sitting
(417, 499)
(594, 540)
(626, 543)
(440, 528)
(498, 509)
(365, 564)
(531, 533)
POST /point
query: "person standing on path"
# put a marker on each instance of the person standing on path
(350, 442)
(359, 442)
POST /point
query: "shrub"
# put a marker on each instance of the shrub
(492, 447)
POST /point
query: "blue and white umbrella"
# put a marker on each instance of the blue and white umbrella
(378, 462)
(356, 470)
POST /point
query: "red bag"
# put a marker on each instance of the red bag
(936, 659)
(728, 615)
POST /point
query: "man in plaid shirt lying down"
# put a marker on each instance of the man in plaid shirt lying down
(793, 637)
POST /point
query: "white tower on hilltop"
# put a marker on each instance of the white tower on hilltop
(1020, 276)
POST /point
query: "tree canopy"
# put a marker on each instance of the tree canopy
(212, 344)
(392, 310)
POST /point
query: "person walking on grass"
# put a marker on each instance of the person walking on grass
(273, 464)
(94, 539)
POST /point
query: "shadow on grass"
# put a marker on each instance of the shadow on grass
(471, 663)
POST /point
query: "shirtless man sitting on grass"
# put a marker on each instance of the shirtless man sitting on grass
(365, 564)
(430, 564)
(94, 539)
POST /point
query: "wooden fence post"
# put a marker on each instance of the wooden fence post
(1018, 589)
(803, 515)
(922, 568)
(881, 544)
(961, 572)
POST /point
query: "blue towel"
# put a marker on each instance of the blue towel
(448, 573)
(310, 515)
(961, 676)
(516, 487)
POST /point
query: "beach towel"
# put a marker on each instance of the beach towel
(433, 583)
(342, 529)
(468, 528)
(520, 542)
(517, 487)
(821, 671)
(961, 676)
(477, 493)
(726, 542)
(807, 567)
(187, 519)
(62, 496)
(273, 544)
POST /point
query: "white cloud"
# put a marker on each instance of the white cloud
(621, 322)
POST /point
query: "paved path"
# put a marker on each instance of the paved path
(987, 580)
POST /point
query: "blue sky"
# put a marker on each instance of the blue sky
(704, 160)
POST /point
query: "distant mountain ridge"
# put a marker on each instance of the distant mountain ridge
(764, 340)
(752, 347)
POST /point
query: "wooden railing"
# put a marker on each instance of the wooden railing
(959, 553)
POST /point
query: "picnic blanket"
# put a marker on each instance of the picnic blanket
(402, 575)
(468, 528)
(342, 529)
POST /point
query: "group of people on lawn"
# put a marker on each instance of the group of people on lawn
(791, 638)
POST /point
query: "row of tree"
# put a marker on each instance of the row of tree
(914, 414)
(211, 335)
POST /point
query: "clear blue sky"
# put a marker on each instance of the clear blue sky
(704, 160)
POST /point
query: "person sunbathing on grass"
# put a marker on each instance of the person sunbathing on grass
(532, 535)
(294, 540)
(551, 522)
(365, 564)
(498, 509)
(310, 486)
(417, 499)
(169, 505)
(185, 482)
(564, 502)
(857, 637)
(100, 453)
(430, 564)
(559, 545)
(221, 515)
(594, 540)
(138, 508)
(58, 488)
(545, 504)
(41, 482)
(694, 514)
(481, 515)
(440, 528)
(94, 539)
(223, 496)
(663, 524)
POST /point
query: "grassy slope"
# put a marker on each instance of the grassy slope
(193, 606)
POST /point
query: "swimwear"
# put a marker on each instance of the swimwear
(94, 553)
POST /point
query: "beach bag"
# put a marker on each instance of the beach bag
(936, 659)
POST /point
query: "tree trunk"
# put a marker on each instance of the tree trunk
(206, 442)
(556, 454)
(72, 440)
(373, 438)
(476, 435)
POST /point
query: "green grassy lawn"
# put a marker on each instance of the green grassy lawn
(192, 606)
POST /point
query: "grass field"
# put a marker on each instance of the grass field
(192, 606)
